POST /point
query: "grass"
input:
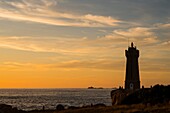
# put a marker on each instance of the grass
(139, 108)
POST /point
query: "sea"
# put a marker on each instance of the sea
(35, 99)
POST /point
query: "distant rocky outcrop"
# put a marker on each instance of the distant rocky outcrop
(154, 95)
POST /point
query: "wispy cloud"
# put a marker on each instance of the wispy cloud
(63, 46)
(115, 41)
(140, 35)
(42, 12)
(37, 44)
(99, 64)
(101, 53)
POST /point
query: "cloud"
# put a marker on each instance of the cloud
(167, 43)
(141, 35)
(73, 46)
(162, 25)
(99, 64)
(101, 19)
(42, 12)
(147, 65)
(38, 44)
(163, 47)
(102, 53)
(49, 3)
(152, 48)
(166, 25)
(136, 32)
(105, 45)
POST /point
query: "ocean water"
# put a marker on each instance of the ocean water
(31, 99)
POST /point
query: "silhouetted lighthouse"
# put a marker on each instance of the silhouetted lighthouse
(132, 68)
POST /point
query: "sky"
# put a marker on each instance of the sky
(82, 43)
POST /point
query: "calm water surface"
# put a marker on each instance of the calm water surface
(29, 99)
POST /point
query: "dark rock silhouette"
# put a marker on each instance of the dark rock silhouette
(99, 105)
(59, 107)
(119, 95)
(73, 107)
(8, 109)
(155, 95)
(148, 96)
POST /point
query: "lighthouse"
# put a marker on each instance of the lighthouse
(132, 79)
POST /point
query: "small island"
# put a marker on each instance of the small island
(91, 87)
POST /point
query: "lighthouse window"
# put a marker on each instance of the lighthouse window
(131, 86)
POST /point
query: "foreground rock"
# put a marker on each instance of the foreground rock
(138, 108)
(60, 107)
(155, 95)
(135, 108)
(8, 109)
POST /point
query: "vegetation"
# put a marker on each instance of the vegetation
(138, 108)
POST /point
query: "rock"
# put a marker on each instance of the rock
(99, 105)
(73, 107)
(154, 95)
(5, 108)
(119, 95)
(8, 109)
(59, 107)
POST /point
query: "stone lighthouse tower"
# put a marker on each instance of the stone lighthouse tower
(132, 68)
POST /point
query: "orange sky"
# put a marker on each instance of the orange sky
(77, 44)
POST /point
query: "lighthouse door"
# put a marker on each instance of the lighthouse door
(131, 86)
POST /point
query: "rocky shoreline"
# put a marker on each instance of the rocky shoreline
(9, 109)
(146, 100)
(157, 94)
(135, 108)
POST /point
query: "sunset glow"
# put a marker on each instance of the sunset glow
(82, 43)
